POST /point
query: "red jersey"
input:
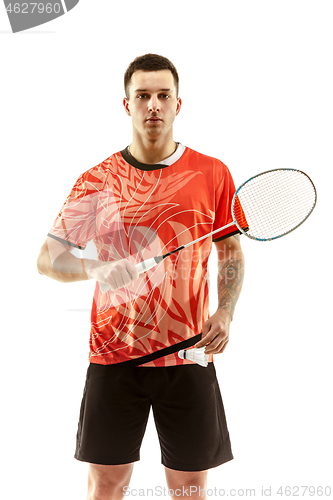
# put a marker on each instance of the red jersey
(137, 211)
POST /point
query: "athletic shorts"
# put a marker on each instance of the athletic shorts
(187, 408)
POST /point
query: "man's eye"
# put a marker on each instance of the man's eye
(147, 96)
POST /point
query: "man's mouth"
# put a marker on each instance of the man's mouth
(154, 119)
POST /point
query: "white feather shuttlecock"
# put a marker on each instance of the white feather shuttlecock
(196, 355)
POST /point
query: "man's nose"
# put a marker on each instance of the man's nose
(153, 103)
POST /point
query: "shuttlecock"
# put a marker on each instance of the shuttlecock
(196, 355)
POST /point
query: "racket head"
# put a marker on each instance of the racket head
(273, 203)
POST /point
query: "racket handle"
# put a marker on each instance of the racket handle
(142, 267)
(104, 287)
(145, 265)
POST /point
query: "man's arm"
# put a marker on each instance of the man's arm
(229, 284)
(56, 262)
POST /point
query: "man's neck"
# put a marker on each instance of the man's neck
(152, 152)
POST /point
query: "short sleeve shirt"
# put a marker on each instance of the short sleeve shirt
(136, 211)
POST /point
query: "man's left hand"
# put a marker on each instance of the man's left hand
(215, 333)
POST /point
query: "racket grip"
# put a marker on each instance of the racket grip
(104, 287)
(142, 267)
(145, 265)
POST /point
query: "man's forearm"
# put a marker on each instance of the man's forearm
(229, 283)
(56, 262)
(66, 268)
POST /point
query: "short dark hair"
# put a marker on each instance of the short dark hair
(149, 62)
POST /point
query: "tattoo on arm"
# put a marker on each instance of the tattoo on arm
(230, 280)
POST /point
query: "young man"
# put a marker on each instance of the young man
(144, 201)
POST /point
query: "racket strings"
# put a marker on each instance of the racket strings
(276, 212)
(274, 203)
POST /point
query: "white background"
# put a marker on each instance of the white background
(256, 83)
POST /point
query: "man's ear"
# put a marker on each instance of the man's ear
(179, 105)
(126, 106)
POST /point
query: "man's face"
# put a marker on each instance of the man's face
(153, 103)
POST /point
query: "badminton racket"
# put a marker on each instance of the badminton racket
(265, 207)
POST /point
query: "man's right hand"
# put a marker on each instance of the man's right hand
(114, 274)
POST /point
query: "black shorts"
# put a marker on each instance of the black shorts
(187, 409)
